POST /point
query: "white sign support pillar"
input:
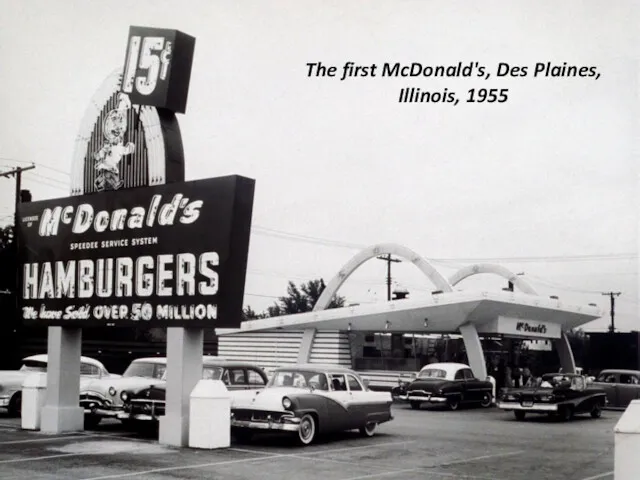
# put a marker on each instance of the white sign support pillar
(184, 370)
(62, 411)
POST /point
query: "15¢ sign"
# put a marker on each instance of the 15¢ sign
(157, 67)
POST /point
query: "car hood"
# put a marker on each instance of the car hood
(265, 399)
(131, 384)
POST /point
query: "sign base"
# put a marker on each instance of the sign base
(184, 371)
(61, 412)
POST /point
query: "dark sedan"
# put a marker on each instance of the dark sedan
(558, 394)
(148, 403)
(450, 384)
(621, 386)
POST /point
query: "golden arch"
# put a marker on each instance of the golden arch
(499, 270)
(371, 252)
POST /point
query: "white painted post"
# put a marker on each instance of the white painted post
(627, 443)
(34, 389)
(210, 412)
(184, 370)
(62, 411)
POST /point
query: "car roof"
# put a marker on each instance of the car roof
(317, 367)
(450, 367)
(208, 360)
(623, 371)
(44, 358)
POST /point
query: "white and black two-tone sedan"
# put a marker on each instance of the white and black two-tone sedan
(448, 384)
(309, 400)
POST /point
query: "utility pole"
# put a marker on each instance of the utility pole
(613, 296)
(18, 173)
(388, 259)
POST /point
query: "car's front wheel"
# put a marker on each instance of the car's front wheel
(453, 403)
(415, 405)
(369, 429)
(307, 431)
(486, 400)
(519, 414)
(15, 405)
(596, 411)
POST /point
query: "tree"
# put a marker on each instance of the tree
(249, 313)
(299, 299)
(302, 299)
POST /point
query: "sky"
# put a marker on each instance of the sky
(545, 183)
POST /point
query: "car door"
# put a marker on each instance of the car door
(340, 401)
(628, 389)
(474, 389)
(359, 404)
(608, 381)
(459, 385)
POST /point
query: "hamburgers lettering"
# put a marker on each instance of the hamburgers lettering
(184, 274)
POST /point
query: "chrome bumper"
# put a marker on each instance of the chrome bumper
(102, 412)
(286, 427)
(142, 417)
(412, 398)
(536, 407)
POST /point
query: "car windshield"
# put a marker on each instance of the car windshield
(33, 366)
(432, 373)
(145, 369)
(299, 379)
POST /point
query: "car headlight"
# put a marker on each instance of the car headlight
(124, 396)
(112, 391)
(546, 398)
(286, 403)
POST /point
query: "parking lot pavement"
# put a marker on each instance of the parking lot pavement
(474, 444)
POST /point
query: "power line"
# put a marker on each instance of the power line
(14, 160)
(260, 230)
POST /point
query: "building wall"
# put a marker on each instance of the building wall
(272, 349)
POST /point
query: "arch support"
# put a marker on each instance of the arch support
(371, 252)
(563, 347)
(473, 346)
(499, 270)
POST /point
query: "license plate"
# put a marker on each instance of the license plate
(527, 404)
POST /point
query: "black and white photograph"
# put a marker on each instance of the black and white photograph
(326, 240)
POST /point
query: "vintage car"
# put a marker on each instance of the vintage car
(556, 394)
(308, 400)
(148, 404)
(11, 380)
(621, 386)
(449, 384)
(104, 397)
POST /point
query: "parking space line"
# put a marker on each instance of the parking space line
(47, 457)
(362, 447)
(482, 457)
(184, 467)
(602, 475)
(411, 470)
(44, 439)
